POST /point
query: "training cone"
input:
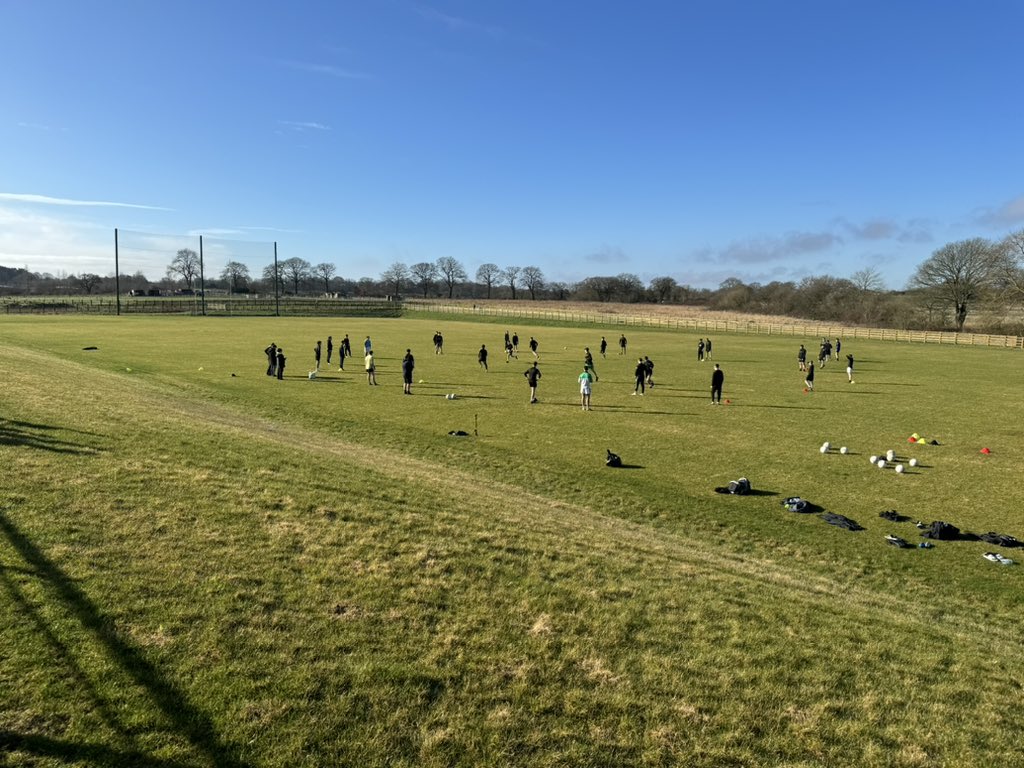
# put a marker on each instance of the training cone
(805, 390)
(986, 451)
(728, 402)
(911, 439)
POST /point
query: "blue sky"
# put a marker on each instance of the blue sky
(701, 139)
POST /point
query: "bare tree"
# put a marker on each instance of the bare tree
(452, 272)
(663, 288)
(274, 281)
(533, 279)
(88, 281)
(395, 277)
(295, 270)
(424, 274)
(186, 265)
(488, 274)
(236, 273)
(1013, 279)
(510, 275)
(325, 272)
(868, 279)
(961, 273)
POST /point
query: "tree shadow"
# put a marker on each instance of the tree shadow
(71, 752)
(185, 719)
(784, 407)
(29, 435)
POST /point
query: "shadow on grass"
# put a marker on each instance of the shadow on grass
(184, 718)
(29, 435)
(785, 407)
(89, 754)
(624, 409)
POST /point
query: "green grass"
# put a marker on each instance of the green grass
(205, 569)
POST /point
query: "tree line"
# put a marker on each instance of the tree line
(978, 278)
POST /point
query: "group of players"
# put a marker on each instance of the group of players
(643, 372)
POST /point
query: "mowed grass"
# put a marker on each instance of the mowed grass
(205, 569)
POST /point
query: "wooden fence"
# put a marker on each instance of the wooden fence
(219, 307)
(707, 326)
(329, 307)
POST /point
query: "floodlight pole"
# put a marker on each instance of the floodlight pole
(277, 293)
(117, 274)
(202, 277)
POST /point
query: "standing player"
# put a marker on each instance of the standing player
(622, 344)
(604, 345)
(316, 354)
(801, 358)
(408, 364)
(281, 359)
(849, 366)
(271, 353)
(717, 379)
(809, 379)
(586, 380)
(330, 349)
(700, 351)
(371, 367)
(481, 357)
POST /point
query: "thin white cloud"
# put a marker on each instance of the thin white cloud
(45, 200)
(457, 23)
(214, 232)
(304, 126)
(272, 229)
(768, 249)
(45, 243)
(607, 255)
(35, 126)
(1009, 214)
(327, 69)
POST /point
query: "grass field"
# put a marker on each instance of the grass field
(206, 569)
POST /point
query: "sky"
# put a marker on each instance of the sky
(698, 139)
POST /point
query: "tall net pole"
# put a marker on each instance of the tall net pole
(117, 273)
(277, 292)
(202, 278)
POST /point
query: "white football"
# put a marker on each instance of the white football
(913, 462)
(826, 445)
(899, 468)
(843, 450)
(881, 464)
(873, 459)
(824, 448)
(890, 454)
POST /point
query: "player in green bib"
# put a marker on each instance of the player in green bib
(586, 380)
